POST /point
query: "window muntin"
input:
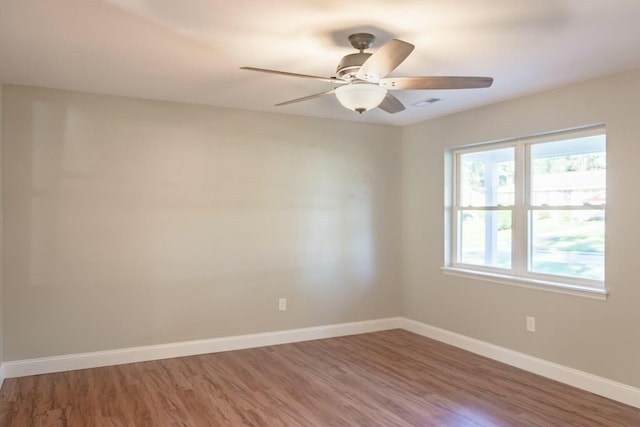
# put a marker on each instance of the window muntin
(532, 208)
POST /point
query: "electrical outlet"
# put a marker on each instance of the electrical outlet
(282, 304)
(531, 324)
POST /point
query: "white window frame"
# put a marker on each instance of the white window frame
(519, 273)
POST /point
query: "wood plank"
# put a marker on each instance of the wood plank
(390, 378)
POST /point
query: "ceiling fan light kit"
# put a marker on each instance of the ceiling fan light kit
(362, 82)
(360, 97)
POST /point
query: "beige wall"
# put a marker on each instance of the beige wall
(132, 222)
(600, 337)
(1, 244)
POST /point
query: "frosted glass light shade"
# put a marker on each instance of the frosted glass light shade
(360, 97)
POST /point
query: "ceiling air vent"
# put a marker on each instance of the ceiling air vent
(426, 102)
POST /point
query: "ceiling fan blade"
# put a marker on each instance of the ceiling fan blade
(305, 98)
(285, 73)
(391, 104)
(384, 60)
(440, 82)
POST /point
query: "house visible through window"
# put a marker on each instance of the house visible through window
(532, 208)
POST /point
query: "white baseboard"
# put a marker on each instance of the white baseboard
(1, 374)
(97, 359)
(573, 377)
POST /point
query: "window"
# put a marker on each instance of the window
(532, 209)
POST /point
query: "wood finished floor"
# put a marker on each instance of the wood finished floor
(390, 378)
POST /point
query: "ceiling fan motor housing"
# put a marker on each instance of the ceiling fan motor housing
(350, 64)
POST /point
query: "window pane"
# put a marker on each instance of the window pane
(568, 243)
(570, 172)
(487, 178)
(485, 238)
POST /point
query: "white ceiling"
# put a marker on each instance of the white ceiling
(191, 50)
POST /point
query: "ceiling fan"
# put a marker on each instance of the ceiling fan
(362, 77)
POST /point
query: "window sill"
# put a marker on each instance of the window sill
(561, 288)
